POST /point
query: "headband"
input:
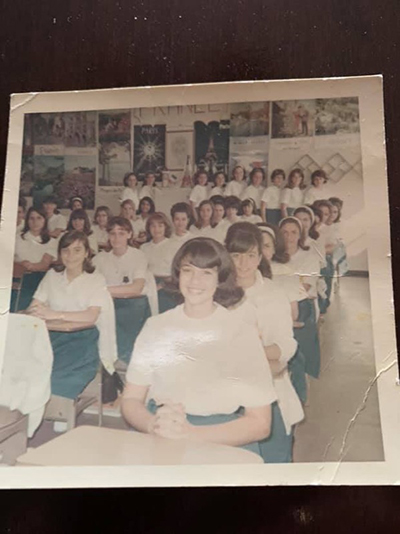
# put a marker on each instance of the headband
(268, 230)
(291, 219)
(77, 198)
(309, 211)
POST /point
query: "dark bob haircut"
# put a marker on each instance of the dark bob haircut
(233, 202)
(127, 176)
(181, 207)
(79, 214)
(244, 236)
(319, 173)
(206, 253)
(159, 217)
(255, 171)
(66, 240)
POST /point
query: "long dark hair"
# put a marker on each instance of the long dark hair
(290, 179)
(44, 233)
(149, 201)
(66, 240)
(243, 236)
(280, 254)
(79, 214)
(206, 253)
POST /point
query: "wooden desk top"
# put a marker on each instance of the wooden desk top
(91, 445)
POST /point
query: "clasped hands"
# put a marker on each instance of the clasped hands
(43, 312)
(170, 421)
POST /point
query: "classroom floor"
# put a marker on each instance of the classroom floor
(333, 428)
(329, 431)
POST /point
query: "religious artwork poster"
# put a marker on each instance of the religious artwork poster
(350, 433)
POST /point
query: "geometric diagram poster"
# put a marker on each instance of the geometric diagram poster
(249, 119)
(212, 146)
(149, 149)
(293, 118)
(114, 146)
(249, 152)
(337, 116)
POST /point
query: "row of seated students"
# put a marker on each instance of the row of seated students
(179, 376)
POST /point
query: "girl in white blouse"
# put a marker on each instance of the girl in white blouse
(316, 191)
(292, 195)
(306, 264)
(181, 217)
(179, 382)
(33, 247)
(238, 183)
(56, 223)
(199, 191)
(131, 190)
(73, 292)
(79, 220)
(255, 190)
(101, 217)
(219, 185)
(148, 188)
(128, 211)
(248, 209)
(204, 226)
(268, 308)
(271, 199)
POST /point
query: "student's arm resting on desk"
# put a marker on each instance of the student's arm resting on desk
(43, 311)
(128, 290)
(43, 265)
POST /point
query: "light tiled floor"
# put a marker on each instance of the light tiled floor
(329, 431)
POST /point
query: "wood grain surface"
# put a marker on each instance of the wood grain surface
(56, 45)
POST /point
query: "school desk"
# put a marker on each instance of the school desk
(90, 445)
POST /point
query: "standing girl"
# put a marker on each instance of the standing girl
(271, 199)
(268, 308)
(129, 283)
(184, 360)
(199, 191)
(339, 254)
(78, 220)
(238, 183)
(219, 185)
(292, 195)
(101, 217)
(148, 188)
(255, 190)
(304, 262)
(130, 191)
(73, 292)
(56, 223)
(316, 191)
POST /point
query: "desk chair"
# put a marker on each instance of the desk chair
(13, 435)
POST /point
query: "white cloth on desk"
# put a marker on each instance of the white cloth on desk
(30, 248)
(85, 291)
(212, 365)
(272, 197)
(26, 373)
(57, 220)
(255, 193)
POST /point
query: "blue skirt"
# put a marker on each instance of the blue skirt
(29, 284)
(327, 273)
(130, 316)
(273, 216)
(278, 447)
(215, 419)
(76, 361)
(307, 338)
(297, 373)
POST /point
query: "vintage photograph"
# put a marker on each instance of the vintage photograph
(214, 306)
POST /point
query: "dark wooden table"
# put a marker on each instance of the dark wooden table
(53, 46)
